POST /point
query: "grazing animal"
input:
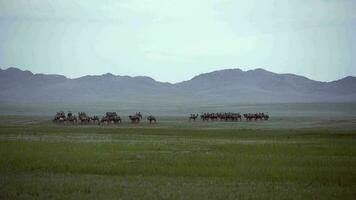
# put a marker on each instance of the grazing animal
(249, 116)
(219, 116)
(239, 117)
(94, 119)
(134, 118)
(204, 116)
(62, 120)
(103, 120)
(110, 117)
(151, 118)
(83, 117)
(138, 114)
(256, 116)
(60, 117)
(193, 117)
(72, 118)
(266, 116)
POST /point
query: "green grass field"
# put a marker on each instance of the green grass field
(175, 159)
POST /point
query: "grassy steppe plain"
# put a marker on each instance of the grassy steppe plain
(175, 159)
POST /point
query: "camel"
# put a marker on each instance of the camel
(134, 118)
(266, 116)
(248, 116)
(110, 117)
(83, 117)
(59, 117)
(151, 118)
(104, 119)
(256, 116)
(72, 118)
(139, 115)
(193, 117)
(94, 119)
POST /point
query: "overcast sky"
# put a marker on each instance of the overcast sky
(173, 40)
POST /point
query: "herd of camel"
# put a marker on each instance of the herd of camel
(110, 117)
(113, 117)
(229, 116)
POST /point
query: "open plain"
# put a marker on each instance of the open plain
(285, 158)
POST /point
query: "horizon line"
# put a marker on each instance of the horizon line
(169, 82)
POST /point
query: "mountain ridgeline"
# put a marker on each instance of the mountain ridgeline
(224, 86)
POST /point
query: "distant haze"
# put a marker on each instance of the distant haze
(23, 92)
(221, 87)
(175, 40)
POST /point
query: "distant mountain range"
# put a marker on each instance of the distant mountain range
(224, 86)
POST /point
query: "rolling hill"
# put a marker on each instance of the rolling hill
(224, 86)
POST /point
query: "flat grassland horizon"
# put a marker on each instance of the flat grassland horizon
(305, 151)
(307, 109)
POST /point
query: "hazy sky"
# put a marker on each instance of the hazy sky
(173, 40)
